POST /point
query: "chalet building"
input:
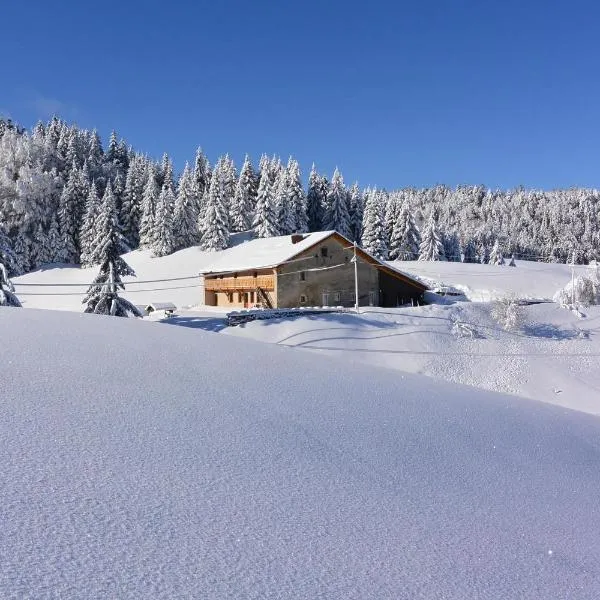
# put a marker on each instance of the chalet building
(312, 269)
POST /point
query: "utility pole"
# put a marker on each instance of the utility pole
(573, 278)
(355, 261)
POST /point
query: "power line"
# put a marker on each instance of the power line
(181, 287)
(134, 282)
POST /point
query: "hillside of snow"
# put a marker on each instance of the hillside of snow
(552, 358)
(482, 283)
(63, 287)
(147, 461)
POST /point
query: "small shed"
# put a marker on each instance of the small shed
(167, 307)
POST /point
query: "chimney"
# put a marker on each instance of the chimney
(297, 237)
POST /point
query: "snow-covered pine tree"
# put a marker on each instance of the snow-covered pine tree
(512, 262)
(103, 295)
(95, 159)
(7, 255)
(185, 216)
(66, 248)
(83, 185)
(41, 253)
(226, 172)
(496, 257)
(373, 234)
(165, 174)
(53, 239)
(244, 201)
(149, 202)
(75, 154)
(22, 252)
(314, 201)
(7, 290)
(131, 208)
(164, 243)
(337, 215)
(483, 253)
(107, 214)
(285, 216)
(431, 247)
(296, 197)
(405, 240)
(116, 159)
(451, 245)
(265, 217)
(391, 212)
(468, 252)
(118, 186)
(215, 234)
(356, 203)
(201, 176)
(88, 228)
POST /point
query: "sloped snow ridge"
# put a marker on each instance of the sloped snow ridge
(144, 461)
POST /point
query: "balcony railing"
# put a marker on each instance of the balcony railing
(266, 282)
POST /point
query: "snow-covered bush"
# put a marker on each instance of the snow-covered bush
(582, 290)
(508, 313)
(463, 330)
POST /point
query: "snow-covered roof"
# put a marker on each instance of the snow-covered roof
(160, 306)
(263, 253)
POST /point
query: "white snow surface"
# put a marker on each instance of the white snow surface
(547, 360)
(554, 357)
(147, 461)
(482, 283)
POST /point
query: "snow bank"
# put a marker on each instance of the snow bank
(483, 283)
(552, 358)
(147, 461)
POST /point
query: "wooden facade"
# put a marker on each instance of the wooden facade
(320, 275)
(245, 289)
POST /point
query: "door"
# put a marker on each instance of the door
(325, 301)
(245, 299)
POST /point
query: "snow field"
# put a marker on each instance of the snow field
(145, 461)
(553, 358)
(546, 361)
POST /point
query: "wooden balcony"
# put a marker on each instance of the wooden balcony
(227, 284)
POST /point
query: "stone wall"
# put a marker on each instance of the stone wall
(296, 279)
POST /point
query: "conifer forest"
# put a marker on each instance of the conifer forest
(62, 191)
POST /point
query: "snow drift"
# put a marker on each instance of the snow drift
(146, 461)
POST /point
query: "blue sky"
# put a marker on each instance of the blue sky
(394, 93)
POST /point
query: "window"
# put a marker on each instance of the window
(337, 297)
(302, 276)
(240, 297)
(325, 299)
(302, 299)
(324, 252)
